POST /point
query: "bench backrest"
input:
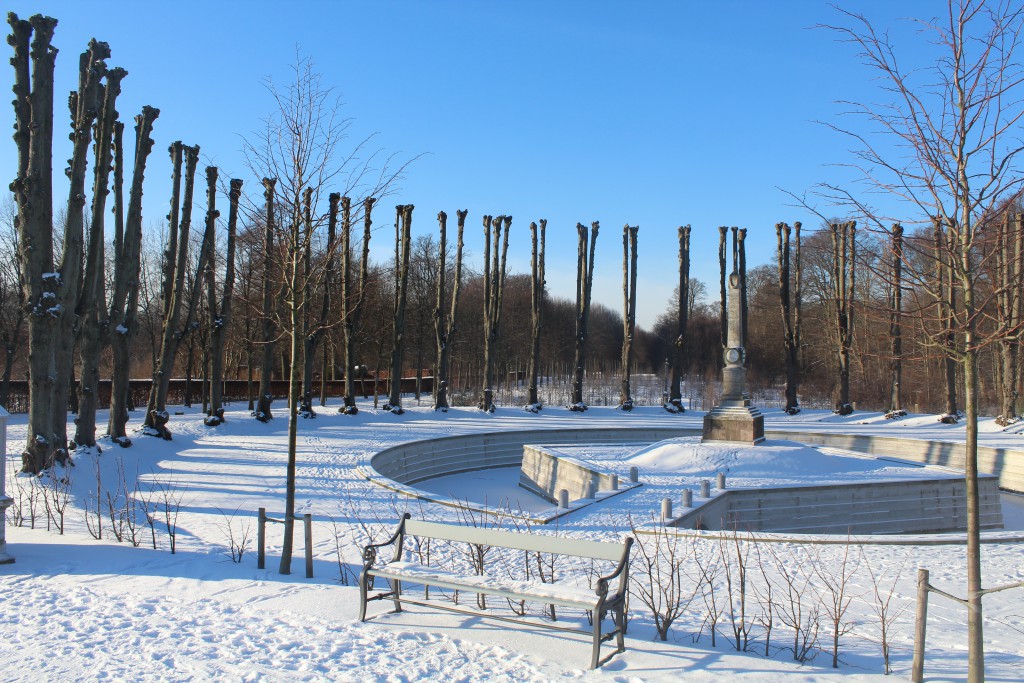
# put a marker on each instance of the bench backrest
(600, 550)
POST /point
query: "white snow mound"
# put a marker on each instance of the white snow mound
(769, 459)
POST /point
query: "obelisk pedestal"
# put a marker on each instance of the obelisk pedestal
(734, 418)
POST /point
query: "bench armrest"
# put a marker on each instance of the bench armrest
(621, 571)
(370, 551)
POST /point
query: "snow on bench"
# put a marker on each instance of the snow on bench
(605, 599)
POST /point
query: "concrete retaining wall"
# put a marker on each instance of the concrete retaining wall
(897, 507)
(545, 474)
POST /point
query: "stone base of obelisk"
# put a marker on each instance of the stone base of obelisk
(734, 420)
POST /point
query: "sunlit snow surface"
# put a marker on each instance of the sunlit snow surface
(76, 609)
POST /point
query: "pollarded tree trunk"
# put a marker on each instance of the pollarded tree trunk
(326, 284)
(94, 323)
(85, 105)
(403, 245)
(789, 318)
(220, 319)
(127, 266)
(445, 324)
(352, 302)
(494, 289)
(1008, 265)
(537, 283)
(675, 400)
(33, 192)
(628, 311)
(844, 253)
(945, 290)
(895, 325)
(584, 282)
(156, 412)
(266, 396)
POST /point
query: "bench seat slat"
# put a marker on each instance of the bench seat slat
(600, 550)
(565, 595)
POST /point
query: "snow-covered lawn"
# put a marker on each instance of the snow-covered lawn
(76, 608)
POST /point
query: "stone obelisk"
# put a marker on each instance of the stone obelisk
(734, 419)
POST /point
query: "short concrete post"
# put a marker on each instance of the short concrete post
(563, 499)
(666, 509)
(307, 523)
(720, 481)
(261, 539)
(615, 482)
(590, 490)
(687, 498)
(705, 489)
(920, 627)
(634, 475)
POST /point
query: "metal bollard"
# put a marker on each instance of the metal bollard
(666, 509)
(687, 498)
(705, 489)
(615, 482)
(720, 482)
(563, 499)
(634, 475)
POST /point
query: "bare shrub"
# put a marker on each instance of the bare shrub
(764, 594)
(797, 605)
(168, 497)
(659, 578)
(709, 571)
(835, 595)
(734, 554)
(93, 507)
(882, 594)
(237, 532)
(56, 495)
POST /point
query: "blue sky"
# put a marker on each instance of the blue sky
(653, 113)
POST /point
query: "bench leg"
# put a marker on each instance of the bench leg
(595, 658)
(396, 588)
(362, 596)
(620, 622)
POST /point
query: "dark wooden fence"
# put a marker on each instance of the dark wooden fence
(234, 390)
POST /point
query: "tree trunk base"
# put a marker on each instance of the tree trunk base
(159, 426)
(122, 441)
(949, 418)
(578, 407)
(626, 405)
(843, 409)
(215, 419)
(533, 407)
(895, 414)
(675, 406)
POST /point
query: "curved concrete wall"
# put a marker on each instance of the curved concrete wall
(416, 461)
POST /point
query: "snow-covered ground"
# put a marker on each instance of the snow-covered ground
(76, 608)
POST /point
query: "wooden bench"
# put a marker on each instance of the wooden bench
(603, 600)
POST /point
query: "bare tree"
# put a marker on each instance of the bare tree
(444, 323)
(124, 302)
(51, 293)
(1010, 300)
(220, 313)
(675, 398)
(403, 245)
(353, 295)
(537, 282)
(959, 118)
(895, 326)
(175, 327)
(584, 284)
(266, 392)
(844, 256)
(629, 235)
(790, 312)
(494, 289)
